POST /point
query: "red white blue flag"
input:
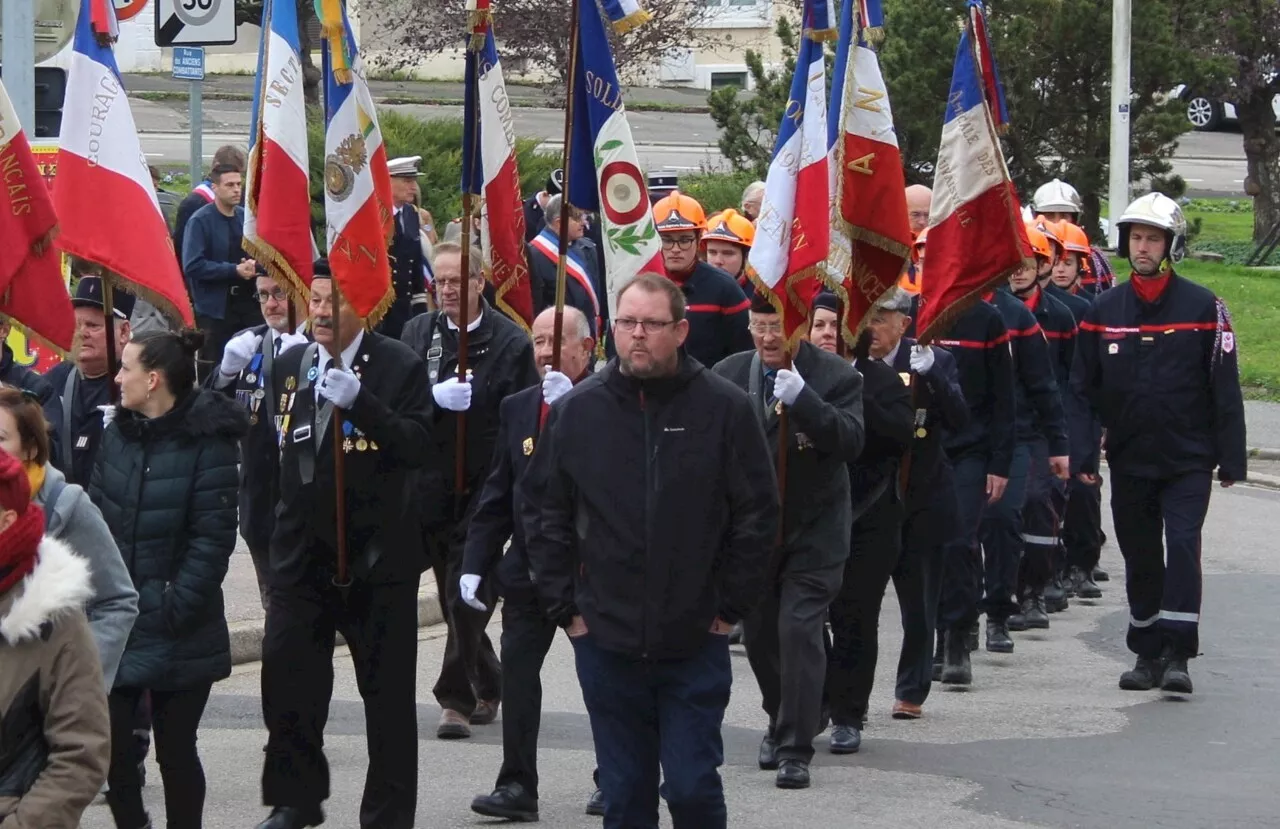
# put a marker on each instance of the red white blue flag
(489, 170)
(976, 233)
(870, 232)
(793, 230)
(604, 169)
(357, 186)
(100, 162)
(277, 217)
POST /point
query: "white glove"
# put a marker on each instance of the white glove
(787, 385)
(340, 387)
(108, 415)
(288, 341)
(921, 358)
(452, 394)
(555, 386)
(468, 584)
(239, 352)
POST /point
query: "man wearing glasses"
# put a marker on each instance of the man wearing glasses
(247, 366)
(715, 304)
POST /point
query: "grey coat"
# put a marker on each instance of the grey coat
(825, 434)
(114, 605)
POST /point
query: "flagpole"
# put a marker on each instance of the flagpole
(464, 298)
(563, 235)
(784, 429)
(113, 362)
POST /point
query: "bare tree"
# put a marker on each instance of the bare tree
(250, 11)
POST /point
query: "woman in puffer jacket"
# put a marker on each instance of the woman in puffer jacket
(54, 727)
(165, 479)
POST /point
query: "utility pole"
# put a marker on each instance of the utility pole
(1118, 193)
(19, 59)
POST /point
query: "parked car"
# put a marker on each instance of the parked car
(1207, 113)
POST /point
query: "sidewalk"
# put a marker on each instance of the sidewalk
(246, 617)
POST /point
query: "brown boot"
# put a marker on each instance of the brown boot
(453, 726)
(485, 713)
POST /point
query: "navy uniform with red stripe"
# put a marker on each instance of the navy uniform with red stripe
(979, 341)
(1161, 375)
(1041, 433)
(717, 312)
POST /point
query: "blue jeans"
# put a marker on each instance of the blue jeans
(666, 714)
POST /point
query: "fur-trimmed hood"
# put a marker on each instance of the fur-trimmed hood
(58, 585)
(201, 414)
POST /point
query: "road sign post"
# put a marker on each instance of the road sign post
(19, 60)
(188, 65)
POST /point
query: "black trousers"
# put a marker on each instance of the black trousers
(961, 556)
(175, 716)
(380, 625)
(1163, 580)
(242, 312)
(261, 567)
(1046, 501)
(918, 582)
(470, 670)
(527, 635)
(1082, 525)
(875, 546)
(784, 638)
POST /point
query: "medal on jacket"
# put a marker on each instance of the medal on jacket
(921, 415)
(527, 447)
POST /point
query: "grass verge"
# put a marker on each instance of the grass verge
(1253, 295)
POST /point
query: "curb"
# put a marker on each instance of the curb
(1265, 454)
(1264, 480)
(246, 637)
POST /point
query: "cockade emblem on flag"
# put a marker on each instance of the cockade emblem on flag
(342, 166)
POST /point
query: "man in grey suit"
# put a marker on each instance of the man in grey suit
(822, 394)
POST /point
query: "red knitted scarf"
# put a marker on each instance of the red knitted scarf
(19, 545)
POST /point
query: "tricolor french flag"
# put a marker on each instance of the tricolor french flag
(793, 230)
(277, 218)
(870, 232)
(976, 233)
(604, 169)
(100, 163)
(357, 186)
(491, 173)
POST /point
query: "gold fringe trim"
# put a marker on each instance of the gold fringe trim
(33, 335)
(884, 243)
(380, 310)
(162, 304)
(39, 246)
(278, 268)
(873, 35)
(632, 21)
(822, 35)
(478, 21)
(948, 316)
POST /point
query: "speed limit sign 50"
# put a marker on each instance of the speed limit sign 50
(195, 22)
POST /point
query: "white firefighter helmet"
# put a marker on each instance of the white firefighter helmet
(1057, 197)
(1155, 210)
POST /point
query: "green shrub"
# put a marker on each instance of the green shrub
(716, 191)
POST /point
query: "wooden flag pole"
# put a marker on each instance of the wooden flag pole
(113, 360)
(558, 331)
(342, 579)
(775, 569)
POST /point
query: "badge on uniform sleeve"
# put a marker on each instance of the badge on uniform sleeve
(251, 378)
(1114, 348)
(290, 383)
(527, 447)
(1228, 342)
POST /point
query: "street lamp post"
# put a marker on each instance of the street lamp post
(1118, 192)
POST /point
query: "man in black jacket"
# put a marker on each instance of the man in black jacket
(823, 397)
(527, 633)
(246, 372)
(653, 511)
(376, 409)
(1157, 361)
(499, 364)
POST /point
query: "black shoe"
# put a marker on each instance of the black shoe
(793, 774)
(292, 817)
(971, 638)
(735, 635)
(1099, 574)
(1176, 679)
(1143, 677)
(768, 758)
(998, 640)
(955, 667)
(1054, 598)
(1033, 611)
(937, 657)
(1085, 586)
(510, 801)
(595, 803)
(845, 739)
(1018, 621)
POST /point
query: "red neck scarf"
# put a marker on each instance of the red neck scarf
(1149, 288)
(1032, 299)
(19, 546)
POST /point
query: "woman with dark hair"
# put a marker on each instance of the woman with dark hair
(165, 479)
(71, 517)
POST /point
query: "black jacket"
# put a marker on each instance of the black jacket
(651, 508)
(408, 280)
(1038, 407)
(496, 516)
(1164, 380)
(21, 377)
(500, 358)
(825, 434)
(717, 311)
(82, 424)
(886, 406)
(1082, 423)
(542, 279)
(979, 341)
(940, 410)
(391, 421)
(167, 489)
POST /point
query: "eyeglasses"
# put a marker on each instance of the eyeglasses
(277, 294)
(919, 215)
(629, 325)
(683, 242)
(765, 328)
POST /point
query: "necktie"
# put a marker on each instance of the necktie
(275, 346)
(400, 220)
(769, 399)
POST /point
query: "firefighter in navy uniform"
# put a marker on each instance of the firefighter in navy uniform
(409, 268)
(1156, 360)
(385, 402)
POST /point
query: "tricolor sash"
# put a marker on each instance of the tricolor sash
(548, 245)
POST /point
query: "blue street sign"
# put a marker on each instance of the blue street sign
(188, 63)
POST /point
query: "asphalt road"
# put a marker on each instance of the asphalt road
(1044, 738)
(1212, 163)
